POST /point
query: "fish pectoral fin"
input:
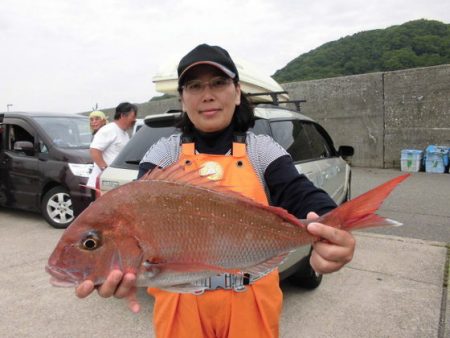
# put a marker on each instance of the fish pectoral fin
(187, 267)
(177, 174)
(267, 265)
(185, 288)
(128, 255)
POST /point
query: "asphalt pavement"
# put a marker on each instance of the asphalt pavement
(394, 287)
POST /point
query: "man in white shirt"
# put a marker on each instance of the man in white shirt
(110, 139)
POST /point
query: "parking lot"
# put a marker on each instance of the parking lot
(392, 288)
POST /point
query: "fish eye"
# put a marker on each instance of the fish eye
(91, 241)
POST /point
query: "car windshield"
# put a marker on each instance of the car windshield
(67, 132)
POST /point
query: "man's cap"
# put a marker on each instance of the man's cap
(208, 55)
(98, 113)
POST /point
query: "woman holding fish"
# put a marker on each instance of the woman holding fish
(215, 141)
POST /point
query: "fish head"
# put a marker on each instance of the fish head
(90, 249)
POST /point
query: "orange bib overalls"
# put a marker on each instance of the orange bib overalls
(254, 312)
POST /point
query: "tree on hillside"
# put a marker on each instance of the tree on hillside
(416, 43)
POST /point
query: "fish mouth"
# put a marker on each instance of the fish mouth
(60, 278)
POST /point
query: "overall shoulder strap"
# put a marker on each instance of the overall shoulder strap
(187, 144)
(239, 146)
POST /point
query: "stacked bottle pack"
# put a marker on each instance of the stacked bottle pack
(435, 159)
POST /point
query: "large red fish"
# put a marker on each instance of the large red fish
(175, 227)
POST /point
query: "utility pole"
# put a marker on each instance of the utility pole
(8, 106)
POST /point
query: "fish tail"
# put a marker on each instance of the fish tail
(359, 212)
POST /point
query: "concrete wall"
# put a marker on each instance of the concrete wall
(379, 114)
(417, 110)
(351, 110)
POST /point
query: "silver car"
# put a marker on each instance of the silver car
(306, 141)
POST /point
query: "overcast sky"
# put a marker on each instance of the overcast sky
(68, 56)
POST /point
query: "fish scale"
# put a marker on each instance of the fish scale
(228, 233)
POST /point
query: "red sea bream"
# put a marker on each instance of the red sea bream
(175, 227)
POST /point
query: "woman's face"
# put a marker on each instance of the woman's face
(96, 123)
(210, 107)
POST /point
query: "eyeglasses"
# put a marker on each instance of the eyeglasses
(216, 84)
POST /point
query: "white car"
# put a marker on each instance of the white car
(306, 141)
(138, 125)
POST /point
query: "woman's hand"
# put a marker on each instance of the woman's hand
(116, 284)
(334, 250)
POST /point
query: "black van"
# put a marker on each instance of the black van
(45, 163)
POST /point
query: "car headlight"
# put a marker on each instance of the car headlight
(81, 170)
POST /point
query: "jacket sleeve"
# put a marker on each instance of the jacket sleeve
(145, 167)
(162, 154)
(293, 191)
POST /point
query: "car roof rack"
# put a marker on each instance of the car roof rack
(276, 101)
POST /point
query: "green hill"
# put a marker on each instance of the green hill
(416, 43)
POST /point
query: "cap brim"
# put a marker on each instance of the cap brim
(214, 64)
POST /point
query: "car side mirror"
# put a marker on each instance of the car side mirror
(26, 146)
(346, 152)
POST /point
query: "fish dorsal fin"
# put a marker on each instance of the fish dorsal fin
(176, 173)
(284, 214)
(356, 212)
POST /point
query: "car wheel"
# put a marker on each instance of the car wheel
(305, 277)
(57, 208)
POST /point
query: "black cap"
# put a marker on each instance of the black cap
(211, 55)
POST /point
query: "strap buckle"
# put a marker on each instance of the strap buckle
(219, 281)
(227, 281)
